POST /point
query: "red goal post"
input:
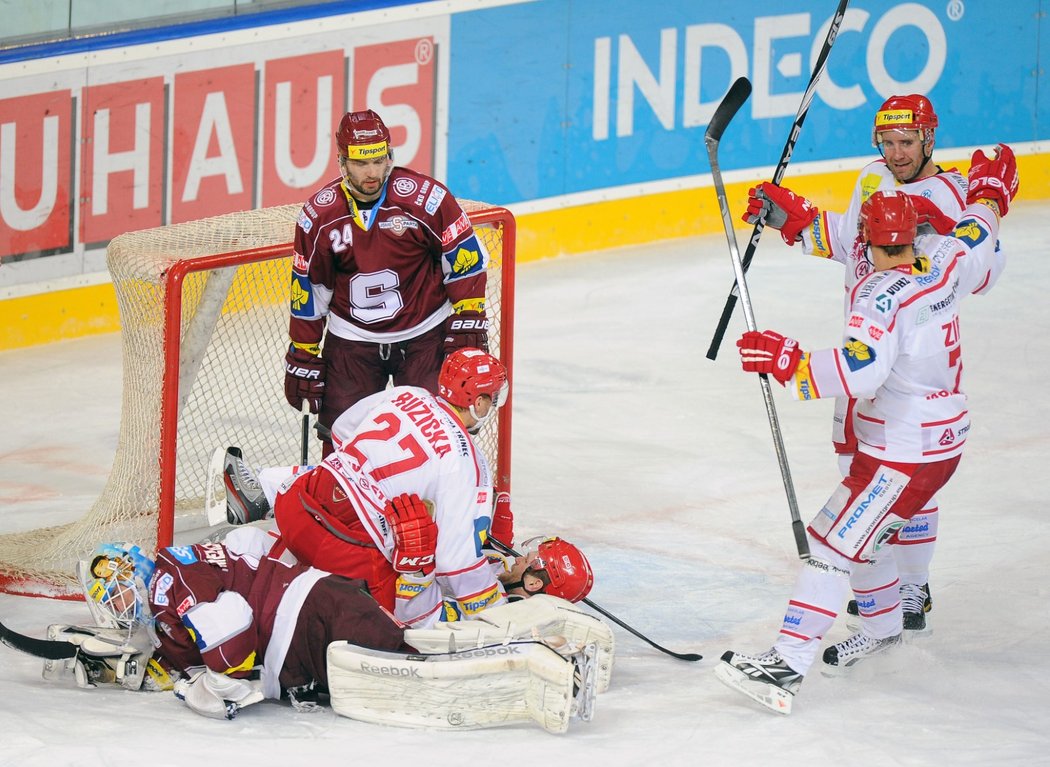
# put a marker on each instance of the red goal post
(204, 324)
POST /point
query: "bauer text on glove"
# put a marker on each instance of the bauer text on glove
(304, 375)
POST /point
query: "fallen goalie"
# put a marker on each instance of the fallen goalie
(228, 625)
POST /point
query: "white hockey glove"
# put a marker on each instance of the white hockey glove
(216, 695)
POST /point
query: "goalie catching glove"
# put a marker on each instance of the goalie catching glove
(770, 353)
(415, 534)
(781, 209)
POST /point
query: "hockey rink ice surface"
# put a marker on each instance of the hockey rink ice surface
(659, 463)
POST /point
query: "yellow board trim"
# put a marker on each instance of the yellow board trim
(73, 313)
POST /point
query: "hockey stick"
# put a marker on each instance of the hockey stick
(734, 99)
(305, 453)
(51, 649)
(778, 175)
(687, 656)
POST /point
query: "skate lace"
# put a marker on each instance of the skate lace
(856, 643)
(913, 598)
(247, 479)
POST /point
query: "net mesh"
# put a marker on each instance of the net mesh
(232, 340)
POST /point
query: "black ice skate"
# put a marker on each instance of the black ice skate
(916, 602)
(914, 605)
(765, 678)
(245, 500)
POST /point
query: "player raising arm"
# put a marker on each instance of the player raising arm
(903, 364)
(904, 132)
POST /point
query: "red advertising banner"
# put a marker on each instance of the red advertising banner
(305, 97)
(213, 142)
(255, 133)
(36, 139)
(396, 79)
(122, 158)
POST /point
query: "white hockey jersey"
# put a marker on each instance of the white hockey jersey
(405, 440)
(902, 358)
(836, 236)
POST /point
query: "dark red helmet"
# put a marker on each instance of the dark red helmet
(568, 572)
(362, 136)
(912, 112)
(888, 218)
(468, 373)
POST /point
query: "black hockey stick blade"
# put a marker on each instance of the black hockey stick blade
(51, 649)
(687, 656)
(738, 93)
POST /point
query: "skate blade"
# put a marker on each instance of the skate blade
(769, 695)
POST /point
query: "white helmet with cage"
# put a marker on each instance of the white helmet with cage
(115, 581)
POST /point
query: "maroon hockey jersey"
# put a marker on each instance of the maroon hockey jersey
(215, 605)
(388, 273)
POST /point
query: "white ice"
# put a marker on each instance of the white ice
(660, 464)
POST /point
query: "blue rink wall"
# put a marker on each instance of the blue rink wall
(585, 117)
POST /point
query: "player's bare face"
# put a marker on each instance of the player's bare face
(903, 152)
(365, 178)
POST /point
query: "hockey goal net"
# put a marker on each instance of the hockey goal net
(204, 324)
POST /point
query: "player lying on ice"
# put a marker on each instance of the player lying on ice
(229, 624)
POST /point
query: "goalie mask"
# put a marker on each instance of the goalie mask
(468, 374)
(561, 567)
(115, 581)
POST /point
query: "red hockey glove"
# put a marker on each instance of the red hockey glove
(303, 379)
(781, 209)
(929, 213)
(415, 534)
(466, 329)
(770, 353)
(502, 527)
(993, 179)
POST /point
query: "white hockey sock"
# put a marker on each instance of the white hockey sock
(876, 588)
(819, 593)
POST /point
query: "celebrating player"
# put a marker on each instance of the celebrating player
(904, 133)
(902, 362)
(388, 263)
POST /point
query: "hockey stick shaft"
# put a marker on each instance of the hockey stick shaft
(304, 454)
(687, 656)
(732, 102)
(778, 175)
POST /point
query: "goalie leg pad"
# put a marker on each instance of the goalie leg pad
(483, 687)
(556, 622)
